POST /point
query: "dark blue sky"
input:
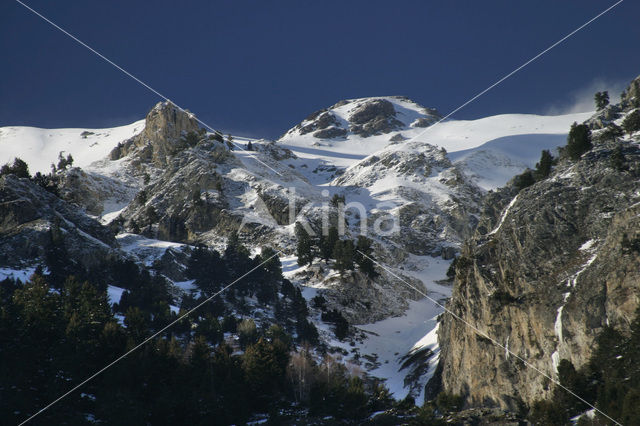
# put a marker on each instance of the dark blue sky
(257, 68)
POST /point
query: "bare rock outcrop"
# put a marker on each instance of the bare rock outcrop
(545, 272)
(33, 220)
(163, 135)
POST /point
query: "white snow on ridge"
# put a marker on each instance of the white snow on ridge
(40, 147)
(490, 150)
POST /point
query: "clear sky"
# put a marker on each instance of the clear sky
(257, 68)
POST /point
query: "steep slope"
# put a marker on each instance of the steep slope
(172, 183)
(33, 221)
(548, 269)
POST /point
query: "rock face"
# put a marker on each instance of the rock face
(631, 96)
(91, 191)
(374, 117)
(545, 272)
(34, 219)
(165, 126)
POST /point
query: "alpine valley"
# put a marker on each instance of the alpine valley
(343, 241)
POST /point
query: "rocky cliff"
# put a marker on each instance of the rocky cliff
(33, 220)
(546, 270)
(163, 135)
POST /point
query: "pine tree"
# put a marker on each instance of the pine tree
(364, 256)
(344, 253)
(264, 364)
(543, 167)
(602, 100)
(18, 168)
(578, 141)
(304, 248)
(524, 180)
(249, 146)
(272, 262)
(327, 243)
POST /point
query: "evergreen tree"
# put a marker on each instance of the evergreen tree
(18, 168)
(631, 123)
(264, 365)
(364, 256)
(304, 248)
(272, 262)
(239, 263)
(207, 268)
(327, 243)
(344, 253)
(341, 325)
(307, 332)
(602, 100)
(543, 167)
(578, 141)
(249, 146)
(524, 180)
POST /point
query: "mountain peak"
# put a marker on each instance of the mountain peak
(165, 125)
(365, 117)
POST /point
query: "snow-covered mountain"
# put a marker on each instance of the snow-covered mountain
(385, 153)
(491, 149)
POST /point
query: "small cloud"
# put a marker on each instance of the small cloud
(581, 100)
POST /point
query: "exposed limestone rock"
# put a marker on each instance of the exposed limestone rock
(631, 96)
(165, 126)
(544, 274)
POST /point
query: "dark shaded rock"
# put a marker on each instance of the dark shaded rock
(29, 215)
(331, 132)
(320, 121)
(378, 108)
(397, 138)
(374, 117)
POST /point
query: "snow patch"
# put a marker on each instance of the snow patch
(504, 215)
